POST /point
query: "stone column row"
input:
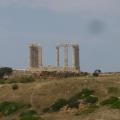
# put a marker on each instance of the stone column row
(65, 56)
(75, 56)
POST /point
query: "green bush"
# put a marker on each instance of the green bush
(5, 71)
(91, 99)
(95, 74)
(86, 92)
(98, 71)
(15, 86)
(110, 101)
(6, 108)
(73, 104)
(56, 106)
(29, 115)
(113, 102)
(85, 95)
(84, 74)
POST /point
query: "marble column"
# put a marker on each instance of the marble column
(58, 57)
(65, 56)
(34, 56)
(40, 57)
(75, 58)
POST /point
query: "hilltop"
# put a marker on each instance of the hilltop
(43, 92)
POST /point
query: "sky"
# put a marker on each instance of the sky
(93, 24)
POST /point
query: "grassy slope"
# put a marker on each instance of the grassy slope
(42, 93)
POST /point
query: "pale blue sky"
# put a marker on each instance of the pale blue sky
(94, 24)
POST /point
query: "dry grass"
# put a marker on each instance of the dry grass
(43, 93)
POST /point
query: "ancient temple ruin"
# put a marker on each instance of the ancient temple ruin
(35, 58)
(75, 55)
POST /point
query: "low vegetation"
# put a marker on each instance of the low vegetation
(78, 96)
(30, 115)
(56, 106)
(7, 108)
(18, 79)
(5, 71)
(88, 99)
(62, 74)
(15, 86)
(96, 73)
(86, 96)
(112, 102)
(21, 79)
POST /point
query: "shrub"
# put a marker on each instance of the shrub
(95, 74)
(86, 92)
(73, 104)
(110, 101)
(113, 102)
(56, 106)
(84, 74)
(85, 95)
(5, 71)
(15, 87)
(6, 108)
(81, 95)
(29, 115)
(91, 99)
(98, 71)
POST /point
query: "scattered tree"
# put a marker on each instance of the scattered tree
(5, 71)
